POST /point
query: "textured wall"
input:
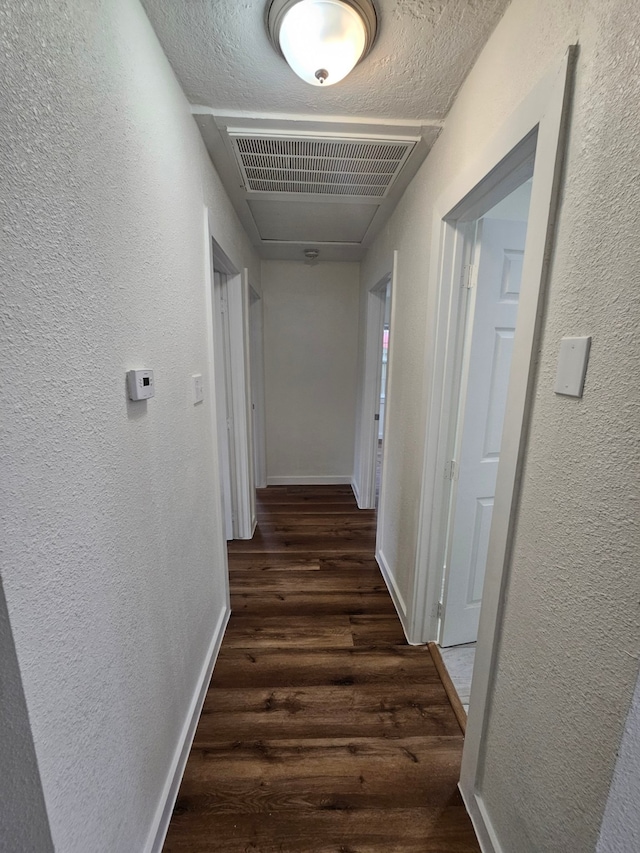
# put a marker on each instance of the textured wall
(569, 654)
(23, 817)
(114, 571)
(571, 637)
(310, 339)
(620, 828)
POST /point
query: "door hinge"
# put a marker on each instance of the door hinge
(470, 276)
(439, 611)
(229, 423)
(451, 470)
(376, 417)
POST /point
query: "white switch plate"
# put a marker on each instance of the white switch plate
(198, 388)
(572, 366)
(140, 384)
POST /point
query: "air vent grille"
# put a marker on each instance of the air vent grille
(362, 168)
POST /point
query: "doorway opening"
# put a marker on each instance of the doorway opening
(231, 392)
(256, 351)
(492, 247)
(369, 451)
(384, 360)
(493, 251)
(224, 399)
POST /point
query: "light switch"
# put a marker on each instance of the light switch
(572, 366)
(198, 388)
(140, 384)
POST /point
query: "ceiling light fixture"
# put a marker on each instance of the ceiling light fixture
(322, 40)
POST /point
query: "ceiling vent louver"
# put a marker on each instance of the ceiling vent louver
(362, 168)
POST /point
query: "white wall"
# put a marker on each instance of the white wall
(620, 830)
(114, 568)
(23, 817)
(310, 339)
(568, 659)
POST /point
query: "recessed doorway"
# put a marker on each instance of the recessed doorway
(493, 248)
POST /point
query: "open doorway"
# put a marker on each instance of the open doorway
(493, 250)
(369, 451)
(231, 391)
(495, 244)
(384, 360)
(224, 399)
(256, 349)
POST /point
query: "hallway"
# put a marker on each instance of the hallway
(322, 729)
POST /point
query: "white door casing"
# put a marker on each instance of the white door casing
(366, 451)
(496, 277)
(240, 387)
(223, 408)
(231, 389)
(257, 389)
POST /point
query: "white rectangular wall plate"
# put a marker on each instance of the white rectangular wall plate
(198, 388)
(140, 384)
(572, 366)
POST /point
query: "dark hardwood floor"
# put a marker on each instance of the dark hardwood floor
(322, 731)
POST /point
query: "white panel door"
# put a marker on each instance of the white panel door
(499, 255)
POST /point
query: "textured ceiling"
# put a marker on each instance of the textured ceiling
(222, 56)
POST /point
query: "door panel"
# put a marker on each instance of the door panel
(499, 253)
(500, 366)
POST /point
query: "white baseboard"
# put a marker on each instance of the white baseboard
(487, 838)
(311, 480)
(160, 824)
(363, 503)
(394, 592)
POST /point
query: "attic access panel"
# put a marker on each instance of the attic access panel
(348, 167)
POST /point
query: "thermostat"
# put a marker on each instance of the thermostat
(140, 384)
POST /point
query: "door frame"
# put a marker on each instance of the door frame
(242, 419)
(222, 391)
(541, 119)
(239, 393)
(256, 345)
(470, 234)
(364, 484)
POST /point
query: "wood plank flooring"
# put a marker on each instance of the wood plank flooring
(322, 730)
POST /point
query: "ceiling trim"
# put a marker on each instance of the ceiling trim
(314, 134)
(307, 243)
(374, 121)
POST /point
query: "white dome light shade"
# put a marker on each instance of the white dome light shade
(322, 40)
